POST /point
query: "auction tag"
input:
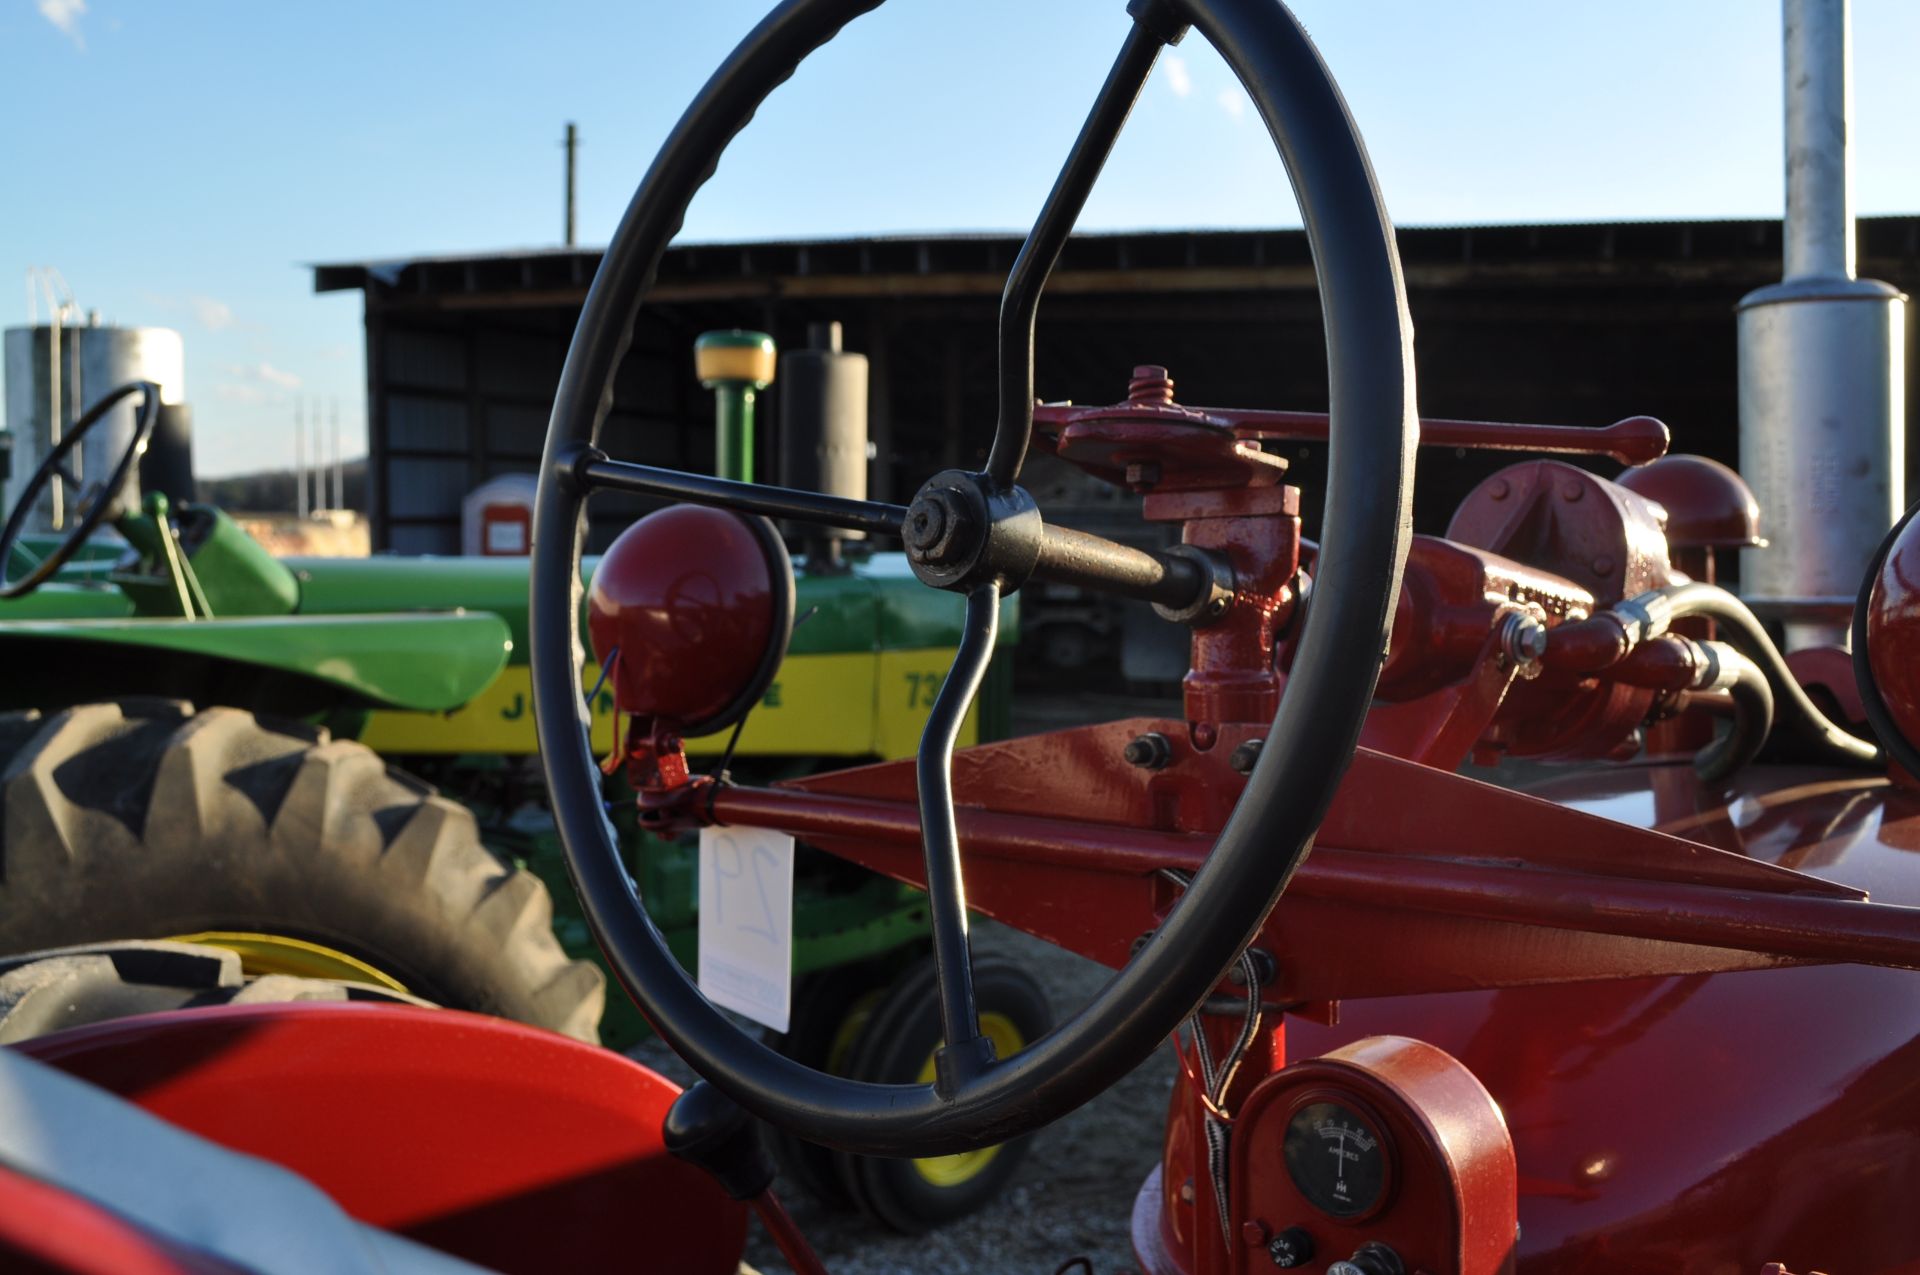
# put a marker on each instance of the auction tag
(746, 922)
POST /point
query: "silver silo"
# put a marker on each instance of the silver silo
(53, 373)
(1822, 375)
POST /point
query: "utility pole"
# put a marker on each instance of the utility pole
(339, 467)
(299, 459)
(573, 167)
(316, 455)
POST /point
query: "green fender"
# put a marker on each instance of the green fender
(420, 661)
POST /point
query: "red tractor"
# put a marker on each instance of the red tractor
(1658, 1015)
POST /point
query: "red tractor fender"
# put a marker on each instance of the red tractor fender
(507, 1145)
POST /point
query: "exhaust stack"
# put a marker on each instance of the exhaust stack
(823, 433)
(1822, 375)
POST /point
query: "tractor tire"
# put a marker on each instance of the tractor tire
(875, 1021)
(145, 820)
(830, 1007)
(896, 1046)
(44, 992)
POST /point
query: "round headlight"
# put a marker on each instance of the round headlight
(693, 607)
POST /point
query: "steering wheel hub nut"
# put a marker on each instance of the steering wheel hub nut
(962, 529)
(931, 526)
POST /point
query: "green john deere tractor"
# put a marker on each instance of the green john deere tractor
(201, 741)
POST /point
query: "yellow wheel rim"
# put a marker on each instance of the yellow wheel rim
(277, 954)
(849, 1031)
(957, 1170)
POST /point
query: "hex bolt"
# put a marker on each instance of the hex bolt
(1523, 639)
(1151, 751)
(924, 525)
(929, 531)
(1245, 756)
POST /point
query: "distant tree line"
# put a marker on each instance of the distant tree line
(271, 491)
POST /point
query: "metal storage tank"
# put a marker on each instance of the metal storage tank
(496, 518)
(52, 374)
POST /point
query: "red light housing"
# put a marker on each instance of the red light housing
(698, 604)
(1893, 630)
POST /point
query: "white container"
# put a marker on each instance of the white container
(496, 518)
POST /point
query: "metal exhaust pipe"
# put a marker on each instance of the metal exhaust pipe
(1822, 366)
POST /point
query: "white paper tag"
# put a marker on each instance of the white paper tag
(746, 922)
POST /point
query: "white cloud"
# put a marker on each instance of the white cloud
(65, 15)
(1233, 101)
(230, 392)
(212, 314)
(1179, 79)
(251, 376)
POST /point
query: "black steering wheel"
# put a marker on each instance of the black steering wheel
(978, 1099)
(94, 502)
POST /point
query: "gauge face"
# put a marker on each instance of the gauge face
(1335, 1159)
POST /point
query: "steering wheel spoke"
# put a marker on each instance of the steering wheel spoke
(594, 470)
(90, 503)
(1020, 302)
(967, 1052)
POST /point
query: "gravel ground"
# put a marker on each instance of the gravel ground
(1073, 1195)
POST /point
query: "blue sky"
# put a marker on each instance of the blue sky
(182, 163)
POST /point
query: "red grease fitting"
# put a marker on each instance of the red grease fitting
(1151, 385)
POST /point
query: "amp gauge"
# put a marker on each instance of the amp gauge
(1387, 1149)
(1336, 1158)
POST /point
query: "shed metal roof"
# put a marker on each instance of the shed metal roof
(1177, 260)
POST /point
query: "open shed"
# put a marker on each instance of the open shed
(1566, 324)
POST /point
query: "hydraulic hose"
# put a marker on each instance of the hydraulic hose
(1670, 662)
(1752, 697)
(1741, 629)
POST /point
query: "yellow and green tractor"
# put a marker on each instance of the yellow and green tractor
(327, 766)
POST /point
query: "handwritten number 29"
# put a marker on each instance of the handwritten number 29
(758, 861)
